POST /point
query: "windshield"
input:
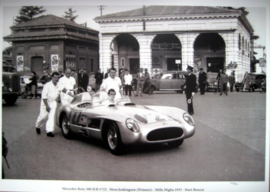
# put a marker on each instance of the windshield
(102, 98)
(82, 97)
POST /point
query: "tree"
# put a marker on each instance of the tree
(7, 50)
(28, 13)
(243, 9)
(69, 15)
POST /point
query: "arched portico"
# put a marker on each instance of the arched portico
(209, 52)
(166, 53)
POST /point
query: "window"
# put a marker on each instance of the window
(239, 41)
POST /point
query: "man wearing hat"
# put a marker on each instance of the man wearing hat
(190, 89)
(202, 81)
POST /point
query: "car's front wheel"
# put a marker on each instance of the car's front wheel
(175, 144)
(65, 127)
(11, 100)
(114, 139)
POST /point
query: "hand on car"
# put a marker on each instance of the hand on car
(48, 109)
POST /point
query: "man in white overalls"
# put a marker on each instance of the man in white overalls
(67, 84)
(49, 97)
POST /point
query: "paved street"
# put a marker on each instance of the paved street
(229, 145)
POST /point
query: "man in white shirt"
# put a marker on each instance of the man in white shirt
(128, 80)
(49, 96)
(67, 84)
(112, 82)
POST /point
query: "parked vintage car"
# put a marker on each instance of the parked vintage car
(169, 82)
(256, 80)
(123, 123)
(211, 83)
(10, 87)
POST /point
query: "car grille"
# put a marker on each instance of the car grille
(165, 134)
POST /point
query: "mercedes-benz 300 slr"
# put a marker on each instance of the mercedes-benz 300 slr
(123, 123)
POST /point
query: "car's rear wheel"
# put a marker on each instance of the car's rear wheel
(175, 144)
(65, 127)
(114, 139)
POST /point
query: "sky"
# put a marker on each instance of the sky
(256, 16)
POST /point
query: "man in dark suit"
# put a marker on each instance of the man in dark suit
(99, 78)
(202, 81)
(83, 80)
(190, 89)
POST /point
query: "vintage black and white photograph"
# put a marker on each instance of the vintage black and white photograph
(142, 96)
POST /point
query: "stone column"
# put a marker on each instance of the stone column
(234, 54)
(105, 52)
(145, 50)
(187, 42)
(231, 47)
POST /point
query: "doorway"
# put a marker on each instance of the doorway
(134, 65)
(174, 64)
(214, 64)
(37, 65)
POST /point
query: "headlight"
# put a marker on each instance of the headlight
(10, 89)
(188, 119)
(132, 125)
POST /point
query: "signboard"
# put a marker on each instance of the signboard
(177, 61)
(20, 63)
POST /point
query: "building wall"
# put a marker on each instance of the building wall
(186, 30)
(46, 49)
(42, 49)
(85, 56)
(170, 25)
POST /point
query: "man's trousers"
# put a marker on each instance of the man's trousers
(44, 116)
(189, 104)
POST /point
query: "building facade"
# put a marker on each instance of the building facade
(169, 38)
(53, 43)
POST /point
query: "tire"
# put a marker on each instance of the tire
(113, 139)
(23, 95)
(175, 144)
(11, 100)
(65, 127)
(152, 88)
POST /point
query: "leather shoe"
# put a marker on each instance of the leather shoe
(38, 130)
(50, 134)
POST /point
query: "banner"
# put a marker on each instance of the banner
(54, 62)
(20, 63)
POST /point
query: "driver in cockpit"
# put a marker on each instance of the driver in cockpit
(111, 97)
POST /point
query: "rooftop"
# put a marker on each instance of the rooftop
(168, 11)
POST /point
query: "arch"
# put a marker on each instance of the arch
(125, 52)
(209, 52)
(166, 52)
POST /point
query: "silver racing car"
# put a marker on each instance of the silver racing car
(123, 123)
